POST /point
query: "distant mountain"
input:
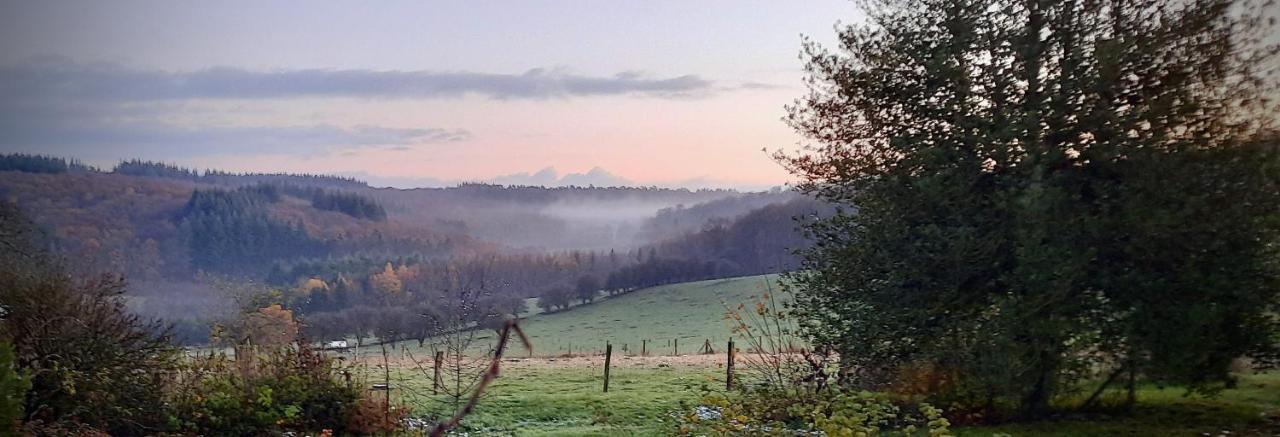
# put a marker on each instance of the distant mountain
(549, 177)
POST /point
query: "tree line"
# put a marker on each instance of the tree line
(35, 163)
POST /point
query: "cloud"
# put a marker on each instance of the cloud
(178, 128)
(114, 83)
(87, 132)
(549, 177)
(759, 86)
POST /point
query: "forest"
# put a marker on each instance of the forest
(337, 254)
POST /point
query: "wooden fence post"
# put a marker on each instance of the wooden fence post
(435, 383)
(643, 345)
(676, 351)
(608, 353)
(728, 377)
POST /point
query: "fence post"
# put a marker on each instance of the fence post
(435, 381)
(643, 346)
(677, 348)
(608, 353)
(728, 377)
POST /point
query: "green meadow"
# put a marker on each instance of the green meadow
(551, 394)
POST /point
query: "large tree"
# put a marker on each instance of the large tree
(1043, 189)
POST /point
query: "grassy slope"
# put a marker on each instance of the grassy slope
(692, 312)
(569, 401)
(531, 400)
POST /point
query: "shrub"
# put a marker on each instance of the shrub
(790, 411)
(13, 389)
(291, 388)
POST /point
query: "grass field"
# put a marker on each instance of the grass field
(564, 397)
(1251, 409)
(691, 312)
(557, 395)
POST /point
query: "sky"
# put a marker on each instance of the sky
(669, 93)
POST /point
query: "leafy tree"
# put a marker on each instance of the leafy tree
(588, 288)
(387, 282)
(271, 325)
(1042, 188)
(555, 298)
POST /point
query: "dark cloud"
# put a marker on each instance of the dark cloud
(84, 109)
(114, 83)
(87, 134)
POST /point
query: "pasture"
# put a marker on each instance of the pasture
(555, 394)
(658, 318)
(564, 397)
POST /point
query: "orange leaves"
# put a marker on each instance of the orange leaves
(388, 281)
(272, 326)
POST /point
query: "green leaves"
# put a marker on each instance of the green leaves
(1043, 190)
(13, 390)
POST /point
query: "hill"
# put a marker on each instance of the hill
(371, 262)
(150, 228)
(691, 312)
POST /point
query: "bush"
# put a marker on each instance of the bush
(90, 360)
(13, 389)
(283, 389)
(789, 411)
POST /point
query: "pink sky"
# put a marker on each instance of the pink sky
(413, 93)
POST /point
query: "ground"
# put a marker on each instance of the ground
(564, 397)
(557, 396)
(549, 392)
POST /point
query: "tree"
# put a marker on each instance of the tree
(271, 326)
(588, 288)
(555, 298)
(1042, 188)
(387, 282)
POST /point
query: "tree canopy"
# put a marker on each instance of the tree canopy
(1043, 189)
